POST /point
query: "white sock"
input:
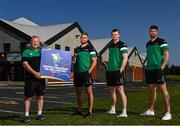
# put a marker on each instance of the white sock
(113, 107)
(39, 112)
(26, 113)
(124, 110)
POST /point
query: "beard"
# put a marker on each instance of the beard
(153, 36)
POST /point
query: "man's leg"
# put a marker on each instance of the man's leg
(89, 91)
(165, 93)
(27, 105)
(40, 104)
(150, 111)
(123, 101)
(153, 94)
(123, 97)
(79, 98)
(112, 94)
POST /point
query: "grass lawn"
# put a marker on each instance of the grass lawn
(137, 103)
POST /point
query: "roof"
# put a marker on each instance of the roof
(30, 28)
(24, 21)
(99, 44)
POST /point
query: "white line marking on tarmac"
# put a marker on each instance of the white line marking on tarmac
(69, 95)
(14, 112)
(20, 99)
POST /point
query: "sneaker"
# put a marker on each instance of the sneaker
(122, 115)
(148, 113)
(77, 113)
(40, 117)
(111, 111)
(88, 114)
(167, 116)
(27, 119)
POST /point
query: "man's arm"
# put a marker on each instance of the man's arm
(29, 69)
(93, 65)
(124, 62)
(165, 59)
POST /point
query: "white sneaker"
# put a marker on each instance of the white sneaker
(111, 112)
(167, 116)
(148, 113)
(122, 115)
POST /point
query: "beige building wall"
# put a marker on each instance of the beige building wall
(8, 37)
(69, 40)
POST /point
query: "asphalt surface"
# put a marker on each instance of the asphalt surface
(12, 98)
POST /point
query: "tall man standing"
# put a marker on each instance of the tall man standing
(33, 82)
(85, 62)
(157, 58)
(118, 56)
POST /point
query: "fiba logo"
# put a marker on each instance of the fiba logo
(56, 58)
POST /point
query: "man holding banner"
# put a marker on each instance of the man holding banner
(33, 82)
(85, 62)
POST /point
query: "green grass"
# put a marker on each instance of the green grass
(173, 77)
(137, 103)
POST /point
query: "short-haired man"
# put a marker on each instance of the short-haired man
(33, 82)
(118, 56)
(85, 62)
(157, 58)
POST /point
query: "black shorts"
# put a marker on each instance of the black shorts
(155, 76)
(115, 78)
(82, 78)
(34, 86)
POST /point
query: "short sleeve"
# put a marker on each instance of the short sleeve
(25, 56)
(124, 48)
(92, 52)
(164, 46)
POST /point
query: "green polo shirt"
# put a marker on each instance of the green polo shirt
(155, 53)
(116, 52)
(33, 57)
(83, 58)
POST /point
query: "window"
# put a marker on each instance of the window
(7, 47)
(22, 46)
(67, 48)
(57, 46)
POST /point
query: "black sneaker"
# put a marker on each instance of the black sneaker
(88, 114)
(40, 117)
(27, 119)
(77, 113)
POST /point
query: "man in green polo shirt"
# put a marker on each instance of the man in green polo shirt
(118, 56)
(33, 82)
(85, 62)
(157, 58)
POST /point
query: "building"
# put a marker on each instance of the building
(15, 35)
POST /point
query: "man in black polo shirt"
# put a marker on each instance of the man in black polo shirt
(85, 62)
(157, 58)
(33, 82)
(118, 56)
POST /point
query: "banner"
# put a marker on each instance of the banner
(55, 64)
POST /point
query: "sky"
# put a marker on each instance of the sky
(99, 17)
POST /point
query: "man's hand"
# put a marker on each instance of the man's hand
(37, 75)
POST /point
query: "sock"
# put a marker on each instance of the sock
(113, 107)
(124, 110)
(26, 113)
(39, 112)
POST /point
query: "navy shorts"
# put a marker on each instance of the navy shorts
(82, 79)
(115, 78)
(155, 76)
